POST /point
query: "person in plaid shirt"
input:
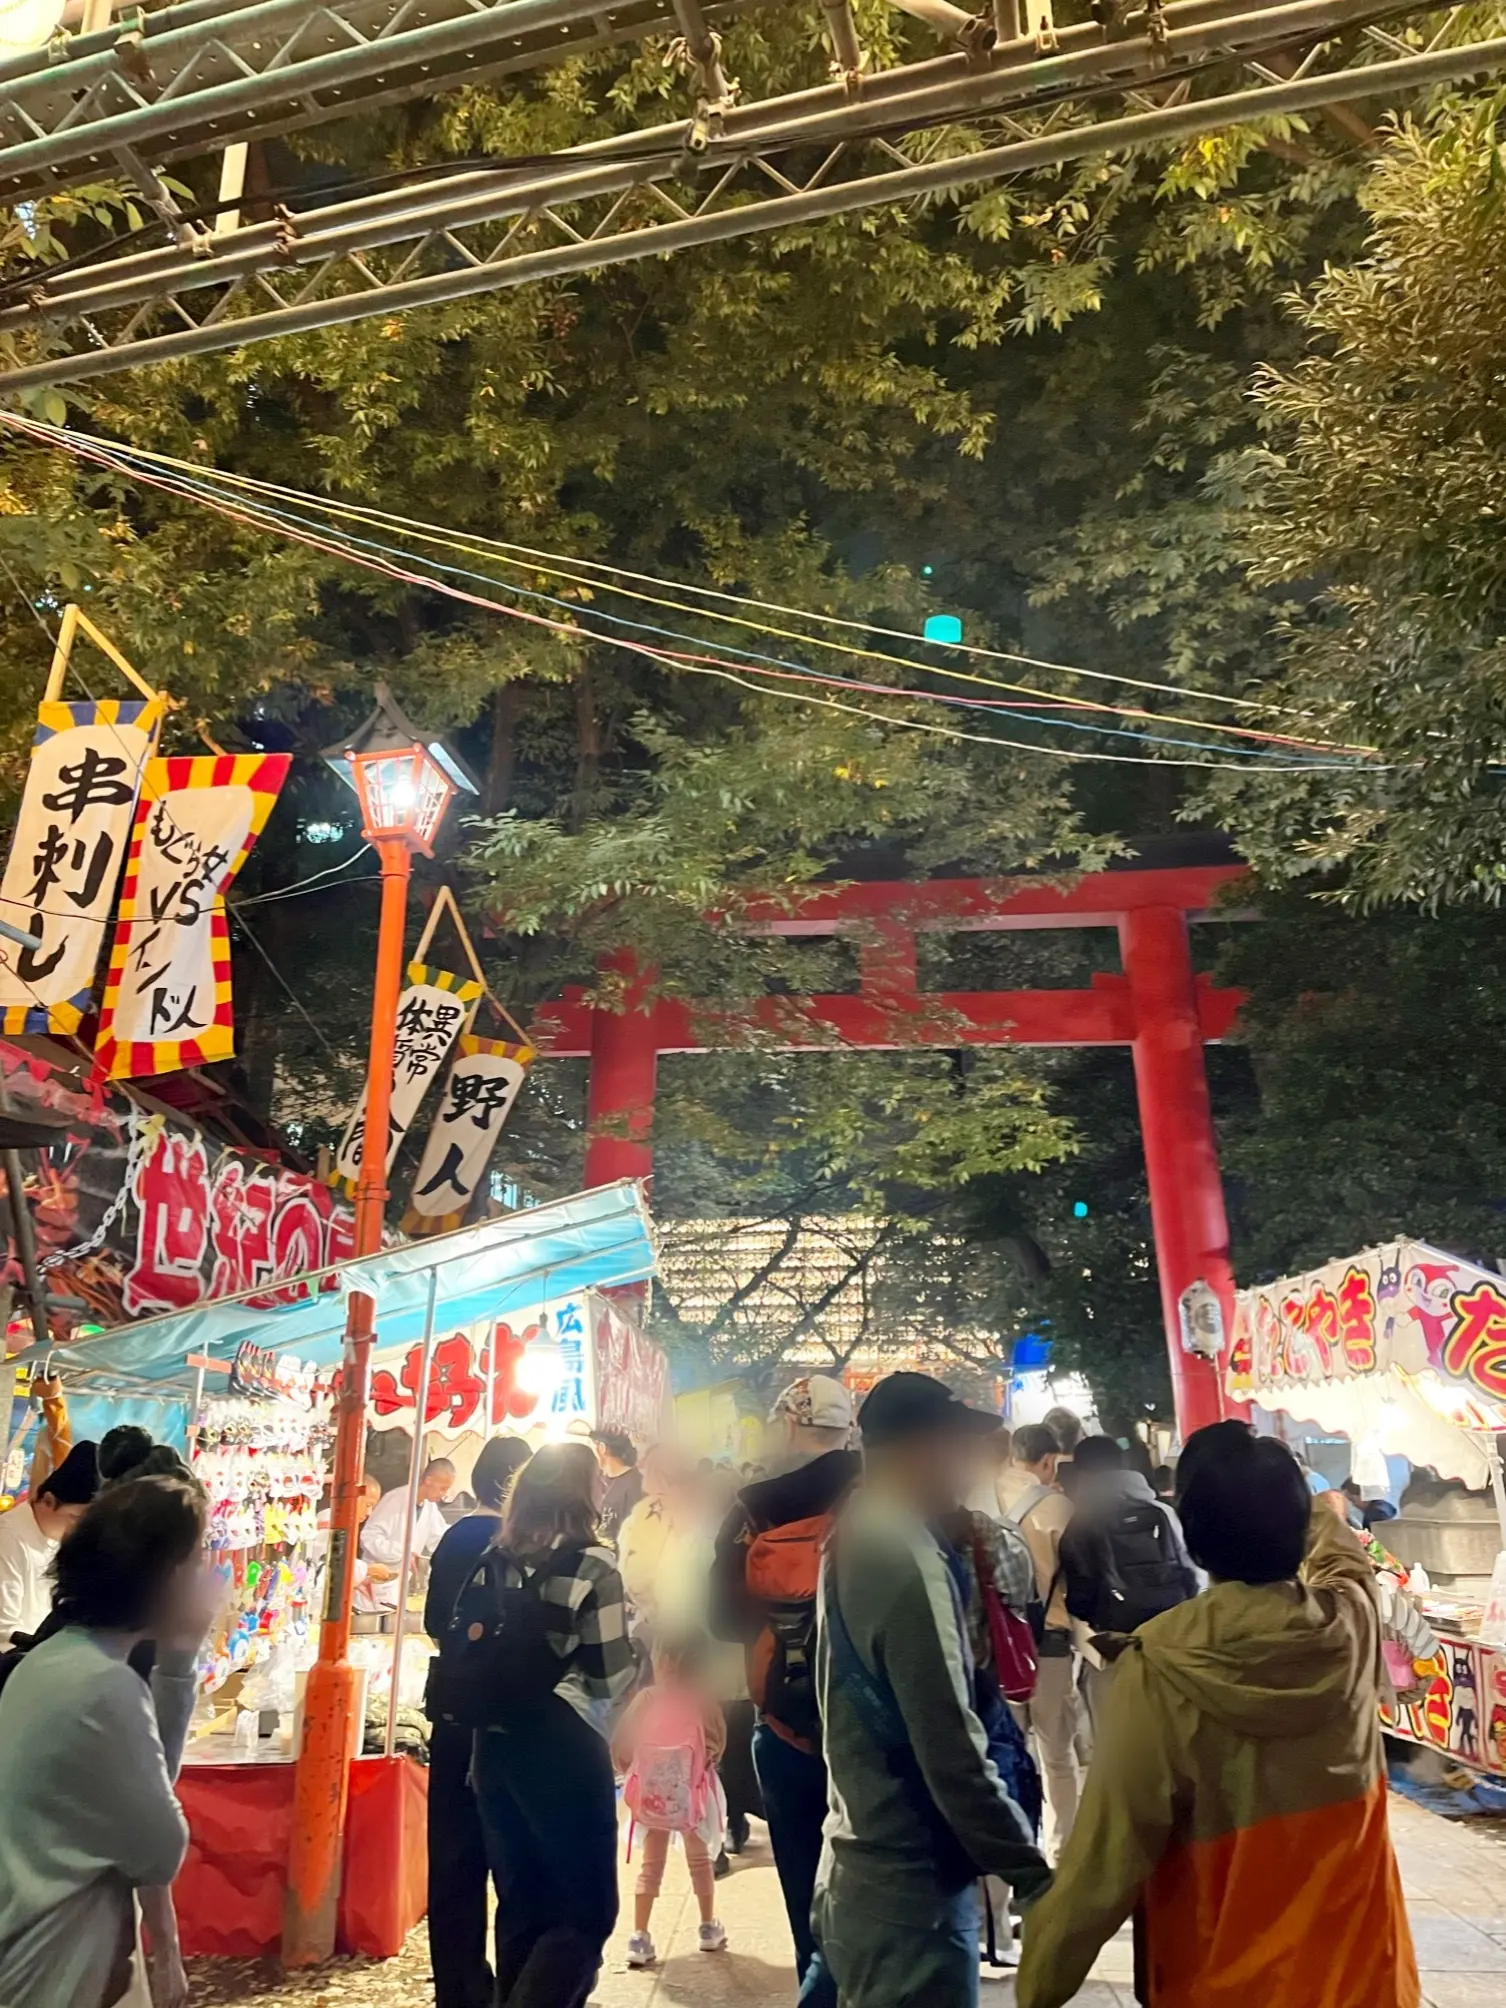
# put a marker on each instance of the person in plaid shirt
(545, 1788)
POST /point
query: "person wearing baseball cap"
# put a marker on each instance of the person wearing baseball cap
(917, 1811)
(763, 1595)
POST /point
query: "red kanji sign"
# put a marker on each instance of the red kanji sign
(1357, 1321)
(456, 1394)
(1404, 1310)
(1476, 1348)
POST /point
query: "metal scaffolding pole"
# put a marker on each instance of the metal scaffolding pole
(254, 288)
(189, 80)
(915, 93)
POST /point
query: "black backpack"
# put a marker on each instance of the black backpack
(1144, 1573)
(497, 1660)
(20, 1645)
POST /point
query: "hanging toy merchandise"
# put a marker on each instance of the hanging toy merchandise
(262, 1459)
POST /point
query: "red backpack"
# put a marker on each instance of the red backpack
(1016, 1664)
(783, 1569)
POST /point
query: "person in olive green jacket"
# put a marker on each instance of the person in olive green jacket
(1237, 1797)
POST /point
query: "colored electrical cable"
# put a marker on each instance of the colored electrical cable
(530, 558)
(105, 454)
(456, 542)
(777, 667)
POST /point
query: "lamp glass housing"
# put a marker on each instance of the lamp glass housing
(403, 792)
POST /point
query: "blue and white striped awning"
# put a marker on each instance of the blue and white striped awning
(595, 1240)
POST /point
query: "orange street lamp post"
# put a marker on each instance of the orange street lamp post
(404, 784)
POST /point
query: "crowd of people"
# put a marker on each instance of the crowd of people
(882, 1644)
(908, 1643)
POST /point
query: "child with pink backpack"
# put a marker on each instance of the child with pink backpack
(666, 1747)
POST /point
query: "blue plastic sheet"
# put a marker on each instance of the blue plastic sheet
(595, 1240)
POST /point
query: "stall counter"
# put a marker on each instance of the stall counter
(1463, 1713)
(230, 1893)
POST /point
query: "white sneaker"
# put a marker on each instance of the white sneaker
(640, 1951)
(714, 1936)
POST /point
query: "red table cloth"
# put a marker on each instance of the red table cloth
(230, 1893)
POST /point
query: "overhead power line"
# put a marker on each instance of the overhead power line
(202, 481)
(599, 576)
(733, 670)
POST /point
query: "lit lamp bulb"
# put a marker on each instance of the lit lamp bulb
(404, 795)
(540, 1372)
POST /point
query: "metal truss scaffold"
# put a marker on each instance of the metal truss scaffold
(189, 79)
(1195, 67)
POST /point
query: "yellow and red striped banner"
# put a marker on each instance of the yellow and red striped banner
(483, 1084)
(65, 856)
(167, 1001)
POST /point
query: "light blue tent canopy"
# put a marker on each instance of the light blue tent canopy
(595, 1240)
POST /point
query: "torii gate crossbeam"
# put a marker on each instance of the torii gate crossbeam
(1158, 1007)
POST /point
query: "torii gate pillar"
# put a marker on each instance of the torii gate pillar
(1187, 1214)
(620, 1098)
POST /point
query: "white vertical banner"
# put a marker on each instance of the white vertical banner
(66, 856)
(430, 1015)
(481, 1088)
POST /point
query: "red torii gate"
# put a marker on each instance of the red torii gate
(1158, 1007)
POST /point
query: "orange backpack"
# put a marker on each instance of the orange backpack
(783, 1569)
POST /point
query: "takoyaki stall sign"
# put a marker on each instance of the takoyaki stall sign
(1403, 1308)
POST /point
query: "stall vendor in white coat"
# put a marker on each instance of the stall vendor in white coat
(29, 1536)
(384, 1532)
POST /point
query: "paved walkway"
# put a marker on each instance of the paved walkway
(1455, 1874)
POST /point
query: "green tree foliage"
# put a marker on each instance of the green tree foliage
(1033, 389)
(1373, 1042)
(1306, 516)
(1378, 487)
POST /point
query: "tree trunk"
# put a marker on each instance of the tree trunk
(507, 709)
(588, 750)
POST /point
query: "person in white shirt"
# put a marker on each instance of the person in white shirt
(365, 1576)
(89, 1752)
(382, 1536)
(29, 1537)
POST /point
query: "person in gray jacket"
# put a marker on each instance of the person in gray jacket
(917, 1813)
(89, 1751)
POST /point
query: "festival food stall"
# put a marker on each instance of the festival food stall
(566, 1367)
(259, 1443)
(1403, 1350)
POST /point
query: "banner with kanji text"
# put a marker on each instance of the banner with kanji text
(430, 1015)
(66, 856)
(554, 1337)
(137, 1212)
(481, 1088)
(167, 1002)
(1403, 1308)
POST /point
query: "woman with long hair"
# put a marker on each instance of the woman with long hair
(543, 1775)
(89, 1751)
(457, 1847)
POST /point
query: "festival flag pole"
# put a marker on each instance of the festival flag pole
(404, 784)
